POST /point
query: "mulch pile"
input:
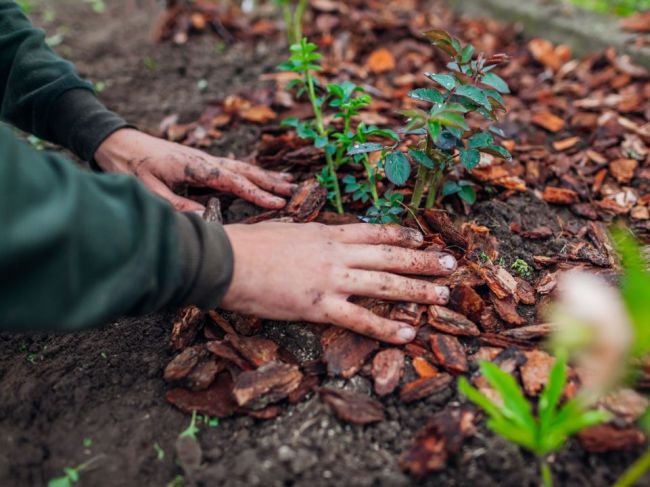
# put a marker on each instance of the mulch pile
(579, 132)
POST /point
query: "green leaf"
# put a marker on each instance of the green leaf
(494, 95)
(397, 168)
(550, 396)
(59, 482)
(480, 140)
(475, 94)
(467, 194)
(320, 141)
(421, 158)
(435, 35)
(447, 81)
(72, 474)
(478, 398)
(427, 94)
(446, 141)
(495, 82)
(467, 53)
(451, 119)
(434, 129)
(449, 188)
(470, 158)
(365, 148)
(515, 406)
(498, 151)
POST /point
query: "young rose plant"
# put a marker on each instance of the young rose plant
(445, 135)
(341, 141)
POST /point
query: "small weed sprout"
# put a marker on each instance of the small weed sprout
(87, 442)
(445, 134)
(521, 267)
(343, 144)
(160, 453)
(293, 12)
(71, 474)
(192, 430)
(542, 433)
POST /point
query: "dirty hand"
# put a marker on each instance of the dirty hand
(308, 272)
(161, 165)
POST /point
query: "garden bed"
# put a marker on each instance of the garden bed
(106, 386)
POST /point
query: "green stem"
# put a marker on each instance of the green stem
(434, 186)
(321, 131)
(288, 22)
(635, 471)
(420, 184)
(297, 18)
(371, 179)
(547, 475)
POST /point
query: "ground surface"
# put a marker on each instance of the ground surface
(107, 386)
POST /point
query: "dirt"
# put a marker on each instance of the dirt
(65, 399)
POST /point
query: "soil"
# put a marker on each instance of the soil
(57, 392)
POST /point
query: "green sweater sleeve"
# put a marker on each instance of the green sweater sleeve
(78, 249)
(41, 93)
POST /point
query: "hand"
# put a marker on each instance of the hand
(161, 165)
(308, 271)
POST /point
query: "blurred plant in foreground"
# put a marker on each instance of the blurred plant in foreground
(607, 332)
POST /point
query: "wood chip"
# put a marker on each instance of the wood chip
(507, 309)
(270, 383)
(186, 326)
(438, 440)
(440, 222)
(353, 407)
(607, 437)
(530, 332)
(346, 352)
(216, 401)
(381, 61)
(451, 322)
(387, 370)
(535, 371)
(256, 350)
(623, 169)
(307, 201)
(466, 300)
(565, 144)
(449, 353)
(548, 121)
(259, 114)
(424, 387)
(560, 196)
(226, 352)
(423, 367)
(204, 373)
(183, 363)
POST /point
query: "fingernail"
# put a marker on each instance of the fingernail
(406, 333)
(443, 293)
(448, 262)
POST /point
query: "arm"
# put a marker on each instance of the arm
(41, 93)
(78, 249)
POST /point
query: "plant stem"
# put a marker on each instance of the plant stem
(434, 183)
(297, 19)
(371, 179)
(288, 22)
(635, 471)
(321, 131)
(547, 475)
(420, 184)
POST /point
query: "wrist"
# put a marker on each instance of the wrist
(112, 155)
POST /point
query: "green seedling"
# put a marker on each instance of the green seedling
(192, 429)
(177, 481)
(521, 267)
(293, 12)
(98, 6)
(160, 453)
(543, 432)
(71, 474)
(342, 143)
(88, 442)
(208, 421)
(445, 136)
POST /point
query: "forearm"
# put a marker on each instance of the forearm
(79, 249)
(42, 94)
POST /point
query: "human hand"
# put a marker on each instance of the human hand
(161, 165)
(308, 271)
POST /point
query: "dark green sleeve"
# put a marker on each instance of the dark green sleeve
(78, 249)
(42, 94)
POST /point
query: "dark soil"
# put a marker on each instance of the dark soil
(106, 385)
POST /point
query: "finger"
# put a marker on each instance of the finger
(398, 259)
(181, 204)
(242, 167)
(383, 285)
(242, 187)
(268, 180)
(367, 233)
(365, 322)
